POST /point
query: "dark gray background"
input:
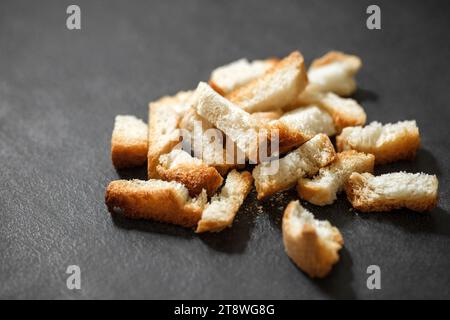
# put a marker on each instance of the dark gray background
(60, 91)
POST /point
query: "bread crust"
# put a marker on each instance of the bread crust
(195, 177)
(403, 146)
(163, 133)
(129, 150)
(253, 96)
(305, 160)
(344, 164)
(233, 194)
(364, 197)
(313, 254)
(138, 200)
(222, 91)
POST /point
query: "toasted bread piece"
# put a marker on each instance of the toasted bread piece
(278, 87)
(388, 143)
(193, 173)
(313, 245)
(305, 160)
(345, 112)
(334, 72)
(415, 191)
(322, 189)
(223, 207)
(129, 142)
(247, 132)
(238, 73)
(310, 120)
(266, 116)
(155, 199)
(211, 152)
(163, 133)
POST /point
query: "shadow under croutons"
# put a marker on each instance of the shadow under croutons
(133, 173)
(337, 284)
(234, 239)
(362, 95)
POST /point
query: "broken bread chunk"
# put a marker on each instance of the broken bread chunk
(322, 189)
(281, 174)
(129, 142)
(238, 125)
(313, 245)
(388, 143)
(155, 199)
(163, 133)
(415, 191)
(334, 72)
(193, 173)
(238, 73)
(278, 87)
(223, 207)
(310, 119)
(206, 144)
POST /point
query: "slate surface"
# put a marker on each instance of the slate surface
(60, 91)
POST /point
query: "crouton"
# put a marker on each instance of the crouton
(223, 207)
(415, 191)
(129, 142)
(313, 245)
(388, 143)
(323, 188)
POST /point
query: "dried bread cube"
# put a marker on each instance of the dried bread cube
(231, 76)
(334, 72)
(193, 173)
(163, 133)
(323, 188)
(281, 174)
(312, 244)
(129, 142)
(155, 199)
(223, 207)
(415, 191)
(388, 143)
(278, 87)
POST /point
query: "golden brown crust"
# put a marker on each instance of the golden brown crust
(138, 201)
(266, 116)
(195, 177)
(335, 56)
(402, 147)
(241, 190)
(163, 135)
(321, 195)
(247, 92)
(216, 87)
(312, 254)
(128, 156)
(358, 190)
(288, 138)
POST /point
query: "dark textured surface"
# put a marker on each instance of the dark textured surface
(60, 91)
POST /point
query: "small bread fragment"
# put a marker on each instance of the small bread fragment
(129, 142)
(345, 112)
(310, 120)
(322, 189)
(281, 174)
(313, 245)
(223, 207)
(155, 199)
(334, 72)
(193, 173)
(163, 133)
(415, 191)
(247, 132)
(199, 134)
(278, 87)
(238, 73)
(388, 143)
